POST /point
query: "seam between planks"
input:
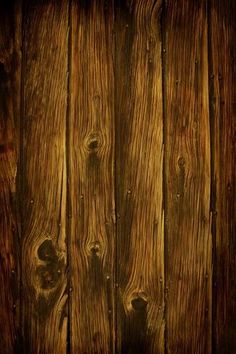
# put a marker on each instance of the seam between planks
(115, 184)
(20, 170)
(68, 200)
(213, 182)
(164, 186)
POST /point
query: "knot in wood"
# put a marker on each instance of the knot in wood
(93, 142)
(139, 302)
(47, 252)
(95, 248)
(181, 162)
(50, 273)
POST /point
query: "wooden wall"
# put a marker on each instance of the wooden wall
(117, 176)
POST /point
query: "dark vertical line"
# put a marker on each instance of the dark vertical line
(68, 179)
(164, 172)
(213, 181)
(115, 178)
(20, 345)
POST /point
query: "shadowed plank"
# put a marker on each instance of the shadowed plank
(139, 168)
(10, 42)
(223, 109)
(44, 252)
(187, 138)
(91, 129)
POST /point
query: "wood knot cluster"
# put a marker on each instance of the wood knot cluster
(50, 273)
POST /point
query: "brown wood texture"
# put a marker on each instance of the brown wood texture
(91, 161)
(117, 177)
(139, 168)
(43, 125)
(223, 116)
(187, 185)
(10, 42)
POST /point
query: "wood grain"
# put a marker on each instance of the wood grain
(91, 136)
(44, 251)
(223, 111)
(10, 42)
(139, 167)
(117, 176)
(187, 153)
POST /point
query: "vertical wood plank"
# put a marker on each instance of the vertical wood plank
(91, 130)
(10, 57)
(44, 251)
(223, 110)
(139, 168)
(187, 138)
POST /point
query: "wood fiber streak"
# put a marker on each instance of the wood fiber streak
(10, 41)
(223, 108)
(139, 168)
(188, 263)
(44, 251)
(91, 131)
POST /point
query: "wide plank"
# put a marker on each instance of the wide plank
(10, 70)
(187, 185)
(44, 173)
(139, 169)
(91, 177)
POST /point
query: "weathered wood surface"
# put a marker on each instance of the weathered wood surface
(117, 177)
(43, 180)
(223, 117)
(10, 42)
(91, 169)
(187, 185)
(139, 168)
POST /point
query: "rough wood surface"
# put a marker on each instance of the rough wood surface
(44, 251)
(223, 116)
(10, 42)
(117, 177)
(139, 167)
(91, 144)
(187, 153)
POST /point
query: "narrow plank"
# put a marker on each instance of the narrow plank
(187, 161)
(223, 109)
(91, 131)
(44, 251)
(10, 57)
(139, 168)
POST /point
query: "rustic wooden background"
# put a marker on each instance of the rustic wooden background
(117, 177)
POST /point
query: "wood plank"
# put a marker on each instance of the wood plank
(187, 161)
(44, 250)
(139, 168)
(223, 110)
(10, 56)
(91, 130)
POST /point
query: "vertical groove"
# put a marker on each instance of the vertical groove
(115, 182)
(115, 192)
(68, 203)
(164, 187)
(213, 182)
(20, 174)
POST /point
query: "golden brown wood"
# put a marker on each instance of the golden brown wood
(44, 251)
(187, 153)
(91, 131)
(223, 110)
(10, 42)
(139, 167)
(105, 129)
